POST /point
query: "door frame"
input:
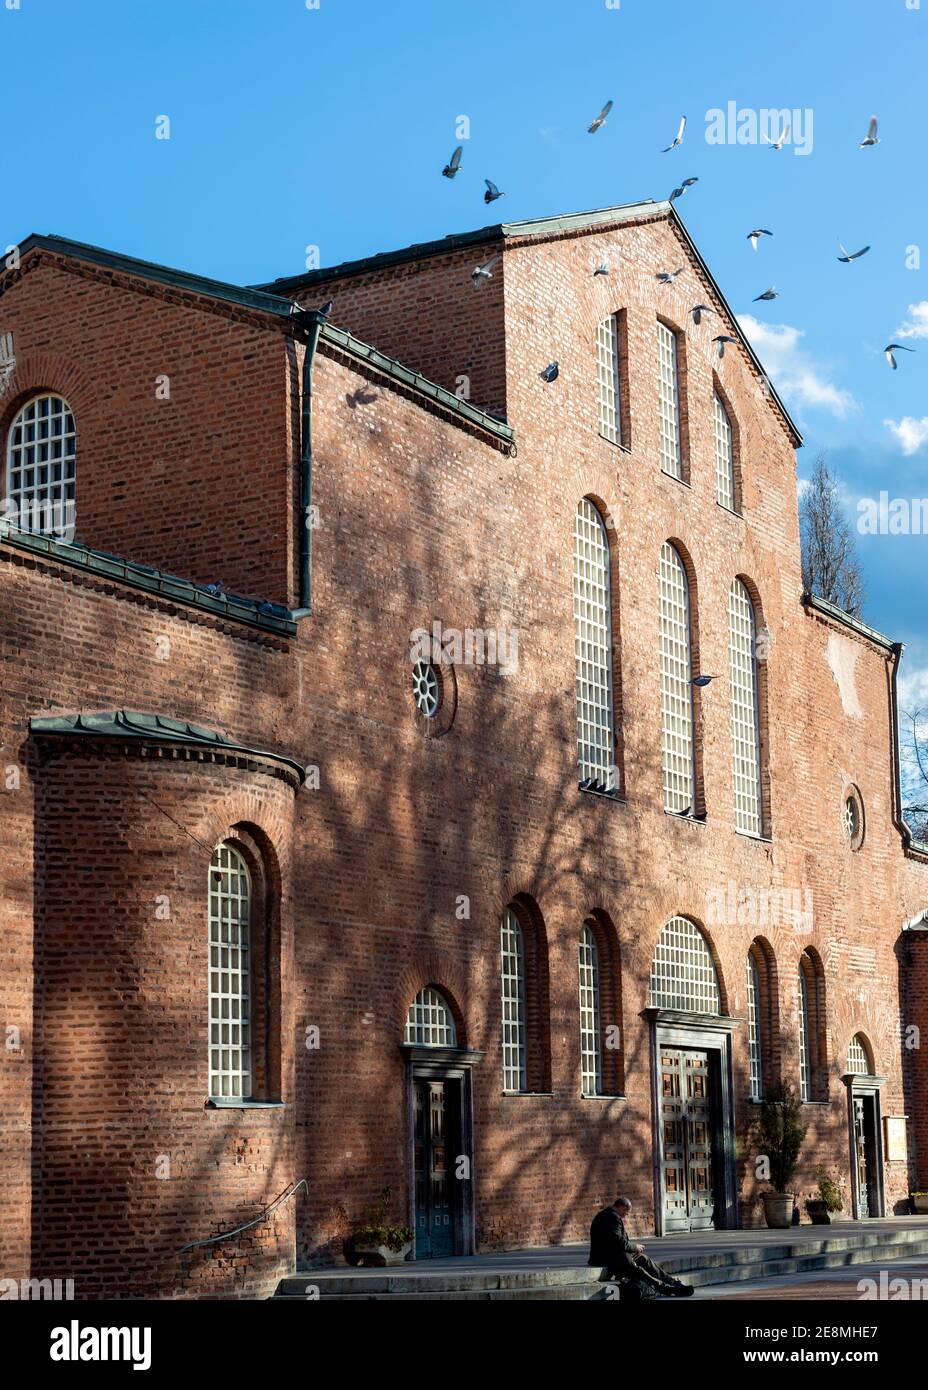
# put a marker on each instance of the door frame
(697, 1033)
(861, 1085)
(444, 1064)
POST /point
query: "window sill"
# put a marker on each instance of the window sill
(750, 835)
(588, 1095)
(674, 479)
(529, 1095)
(616, 443)
(730, 510)
(605, 796)
(686, 820)
(233, 1103)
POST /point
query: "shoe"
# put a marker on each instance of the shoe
(682, 1291)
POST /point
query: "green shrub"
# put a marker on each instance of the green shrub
(778, 1133)
(376, 1231)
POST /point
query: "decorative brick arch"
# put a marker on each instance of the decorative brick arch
(811, 969)
(689, 568)
(691, 917)
(35, 374)
(768, 1008)
(442, 972)
(537, 987)
(609, 955)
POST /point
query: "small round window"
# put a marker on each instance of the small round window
(853, 817)
(426, 688)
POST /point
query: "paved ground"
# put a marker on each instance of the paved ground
(831, 1285)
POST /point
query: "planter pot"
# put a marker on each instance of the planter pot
(819, 1214)
(778, 1209)
(920, 1203)
(380, 1255)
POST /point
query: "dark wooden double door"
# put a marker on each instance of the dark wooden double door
(689, 1126)
(864, 1109)
(435, 1145)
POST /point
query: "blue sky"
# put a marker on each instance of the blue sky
(293, 126)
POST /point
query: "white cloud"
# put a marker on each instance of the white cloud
(916, 325)
(911, 434)
(912, 686)
(794, 371)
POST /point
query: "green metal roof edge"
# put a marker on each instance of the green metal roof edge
(340, 337)
(248, 296)
(830, 610)
(150, 728)
(276, 618)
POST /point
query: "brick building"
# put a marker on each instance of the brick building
(503, 921)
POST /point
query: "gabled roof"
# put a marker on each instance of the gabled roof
(543, 227)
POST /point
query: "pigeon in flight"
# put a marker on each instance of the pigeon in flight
(678, 138)
(703, 680)
(492, 191)
(767, 294)
(679, 192)
(602, 268)
(550, 372)
(781, 139)
(891, 349)
(591, 130)
(667, 277)
(755, 236)
(848, 256)
(722, 339)
(698, 310)
(454, 163)
(871, 138)
(482, 273)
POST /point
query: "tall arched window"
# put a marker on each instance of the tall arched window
(610, 386)
(591, 1046)
(754, 1030)
(41, 467)
(430, 1022)
(745, 710)
(593, 649)
(676, 684)
(724, 456)
(512, 976)
(668, 399)
(230, 1070)
(683, 974)
(813, 1077)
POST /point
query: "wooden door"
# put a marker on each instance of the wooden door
(433, 1161)
(688, 1122)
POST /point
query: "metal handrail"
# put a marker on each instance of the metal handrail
(227, 1235)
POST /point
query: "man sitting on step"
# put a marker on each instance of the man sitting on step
(626, 1262)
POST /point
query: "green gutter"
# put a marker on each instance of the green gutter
(830, 610)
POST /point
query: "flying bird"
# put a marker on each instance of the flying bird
(678, 138)
(591, 130)
(891, 349)
(781, 139)
(722, 339)
(703, 680)
(482, 273)
(698, 310)
(602, 268)
(492, 191)
(871, 138)
(767, 294)
(454, 163)
(679, 192)
(667, 277)
(848, 256)
(550, 372)
(755, 236)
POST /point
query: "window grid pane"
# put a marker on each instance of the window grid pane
(668, 401)
(41, 461)
(754, 1034)
(676, 683)
(683, 971)
(593, 647)
(724, 458)
(430, 1022)
(805, 1051)
(857, 1059)
(607, 368)
(591, 1057)
(745, 740)
(229, 975)
(513, 995)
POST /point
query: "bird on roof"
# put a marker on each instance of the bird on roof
(482, 273)
(847, 256)
(454, 163)
(871, 137)
(600, 119)
(767, 294)
(891, 349)
(492, 192)
(327, 308)
(667, 277)
(678, 138)
(602, 268)
(550, 372)
(698, 310)
(215, 588)
(722, 339)
(755, 236)
(781, 139)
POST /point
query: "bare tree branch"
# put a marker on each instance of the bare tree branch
(830, 567)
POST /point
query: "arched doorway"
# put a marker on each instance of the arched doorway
(864, 1126)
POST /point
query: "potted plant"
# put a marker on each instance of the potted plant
(378, 1243)
(919, 1203)
(778, 1134)
(829, 1199)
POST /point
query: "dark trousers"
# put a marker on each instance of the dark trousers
(643, 1272)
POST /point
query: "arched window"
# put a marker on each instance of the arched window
(813, 1079)
(669, 401)
(230, 1069)
(41, 462)
(724, 457)
(683, 972)
(430, 1022)
(676, 684)
(591, 1045)
(593, 648)
(512, 977)
(745, 710)
(755, 1044)
(858, 1057)
(608, 361)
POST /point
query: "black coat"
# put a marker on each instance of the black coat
(610, 1246)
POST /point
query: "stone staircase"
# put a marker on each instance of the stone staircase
(574, 1282)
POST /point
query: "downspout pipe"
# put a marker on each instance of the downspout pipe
(898, 818)
(311, 320)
